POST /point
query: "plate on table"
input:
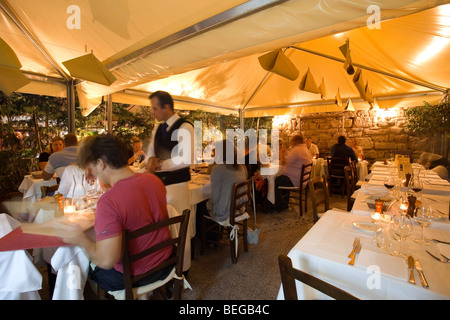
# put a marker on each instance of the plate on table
(366, 226)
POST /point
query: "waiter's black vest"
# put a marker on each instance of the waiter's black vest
(163, 151)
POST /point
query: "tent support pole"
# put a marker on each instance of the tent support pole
(71, 105)
(109, 114)
(419, 83)
(241, 119)
(354, 99)
(238, 12)
(259, 85)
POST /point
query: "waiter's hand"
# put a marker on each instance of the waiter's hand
(152, 164)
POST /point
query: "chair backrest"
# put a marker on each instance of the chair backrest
(318, 188)
(240, 200)
(353, 165)
(336, 165)
(305, 174)
(290, 274)
(178, 241)
(405, 153)
(45, 190)
(350, 184)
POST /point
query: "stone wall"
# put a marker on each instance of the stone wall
(377, 132)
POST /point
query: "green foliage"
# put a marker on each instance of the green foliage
(428, 120)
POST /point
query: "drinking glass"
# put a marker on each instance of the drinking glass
(415, 185)
(402, 228)
(389, 183)
(383, 238)
(424, 217)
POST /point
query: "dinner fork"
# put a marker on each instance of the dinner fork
(446, 260)
(357, 250)
(356, 242)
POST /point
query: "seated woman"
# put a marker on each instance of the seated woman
(134, 201)
(56, 145)
(136, 153)
(223, 177)
(357, 149)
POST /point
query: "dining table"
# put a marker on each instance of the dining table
(31, 187)
(376, 274)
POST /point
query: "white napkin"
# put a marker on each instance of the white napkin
(371, 189)
(389, 265)
(7, 224)
(72, 266)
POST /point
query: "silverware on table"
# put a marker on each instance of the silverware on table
(355, 244)
(437, 258)
(440, 241)
(411, 269)
(422, 276)
(357, 250)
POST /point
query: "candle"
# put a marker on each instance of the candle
(375, 216)
(69, 209)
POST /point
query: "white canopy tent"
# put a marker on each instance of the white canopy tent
(205, 52)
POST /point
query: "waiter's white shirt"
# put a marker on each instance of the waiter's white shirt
(169, 165)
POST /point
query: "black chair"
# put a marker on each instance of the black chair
(318, 189)
(290, 274)
(336, 175)
(301, 192)
(350, 186)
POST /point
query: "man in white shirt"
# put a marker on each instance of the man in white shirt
(312, 148)
(58, 161)
(170, 155)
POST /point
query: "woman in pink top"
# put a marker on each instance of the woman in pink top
(134, 201)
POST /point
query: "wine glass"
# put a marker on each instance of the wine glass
(416, 185)
(424, 217)
(402, 228)
(389, 183)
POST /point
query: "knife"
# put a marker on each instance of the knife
(444, 242)
(411, 269)
(422, 276)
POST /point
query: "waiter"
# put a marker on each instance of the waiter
(170, 154)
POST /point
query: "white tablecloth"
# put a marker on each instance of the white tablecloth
(31, 188)
(323, 251)
(71, 264)
(19, 278)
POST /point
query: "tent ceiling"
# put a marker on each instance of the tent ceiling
(220, 67)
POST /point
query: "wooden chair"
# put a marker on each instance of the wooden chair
(350, 186)
(290, 274)
(301, 192)
(336, 175)
(45, 190)
(178, 244)
(241, 203)
(318, 189)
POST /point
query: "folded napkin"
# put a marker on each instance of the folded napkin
(388, 265)
(374, 190)
(7, 224)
